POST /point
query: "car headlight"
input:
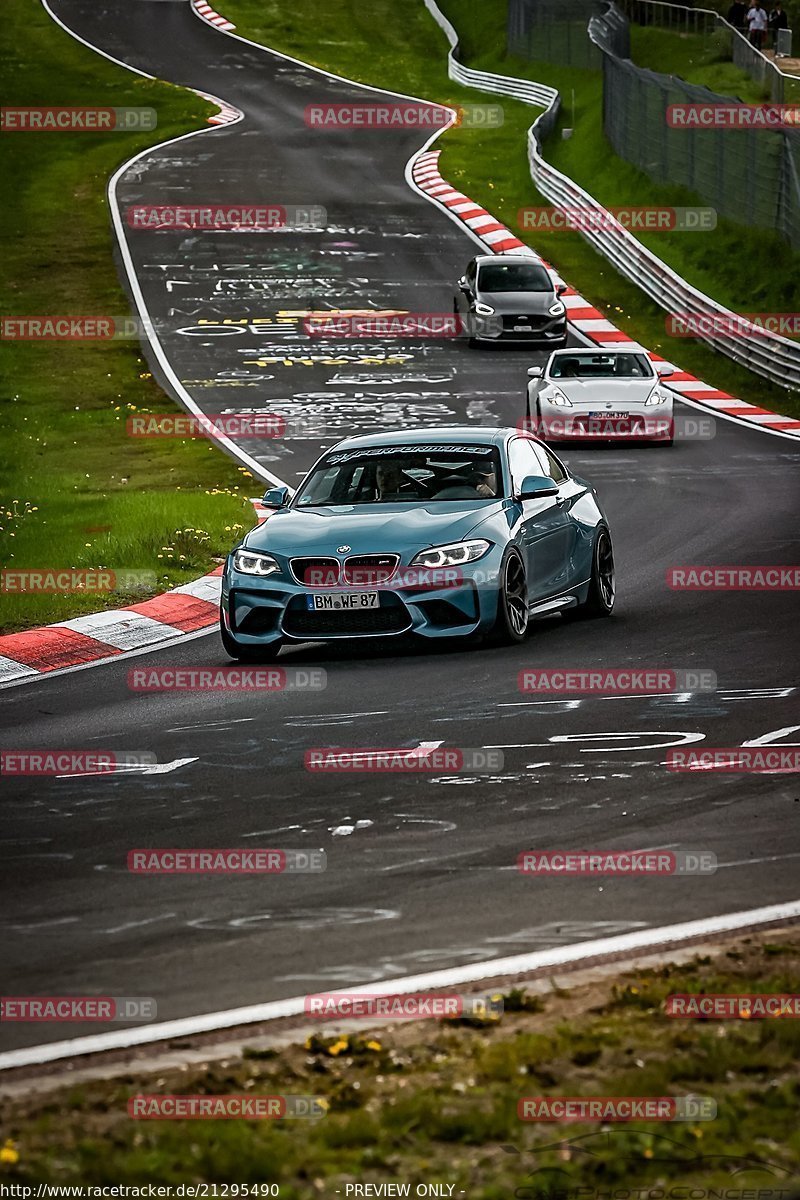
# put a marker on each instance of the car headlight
(558, 398)
(250, 563)
(455, 555)
(557, 309)
(483, 310)
(656, 397)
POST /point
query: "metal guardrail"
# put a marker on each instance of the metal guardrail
(767, 354)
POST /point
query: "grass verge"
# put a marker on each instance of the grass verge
(77, 491)
(701, 60)
(437, 1101)
(398, 45)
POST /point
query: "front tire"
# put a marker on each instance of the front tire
(248, 653)
(511, 624)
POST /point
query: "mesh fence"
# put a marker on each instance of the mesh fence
(553, 31)
(728, 43)
(751, 176)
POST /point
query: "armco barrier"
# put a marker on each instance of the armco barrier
(767, 354)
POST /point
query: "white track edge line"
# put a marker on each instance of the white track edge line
(511, 966)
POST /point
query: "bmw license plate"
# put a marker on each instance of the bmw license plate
(338, 601)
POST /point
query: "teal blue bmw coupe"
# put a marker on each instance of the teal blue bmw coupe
(440, 533)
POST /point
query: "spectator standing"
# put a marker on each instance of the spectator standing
(756, 17)
(736, 15)
(777, 20)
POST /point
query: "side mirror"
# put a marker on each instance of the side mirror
(534, 372)
(664, 369)
(462, 283)
(536, 486)
(276, 498)
(560, 289)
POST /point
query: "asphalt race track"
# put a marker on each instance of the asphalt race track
(421, 869)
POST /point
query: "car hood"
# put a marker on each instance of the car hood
(616, 392)
(368, 528)
(519, 302)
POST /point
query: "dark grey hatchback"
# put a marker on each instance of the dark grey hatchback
(511, 297)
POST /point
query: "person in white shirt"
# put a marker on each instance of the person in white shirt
(756, 18)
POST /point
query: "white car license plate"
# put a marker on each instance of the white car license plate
(611, 415)
(522, 328)
(337, 601)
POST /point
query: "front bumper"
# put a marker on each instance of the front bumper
(653, 423)
(527, 328)
(258, 612)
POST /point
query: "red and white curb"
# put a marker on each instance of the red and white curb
(580, 313)
(227, 115)
(100, 636)
(207, 13)
(105, 635)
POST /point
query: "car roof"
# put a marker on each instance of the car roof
(571, 351)
(525, 254)
(472, 435)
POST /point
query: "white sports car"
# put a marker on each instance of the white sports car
(598, 395)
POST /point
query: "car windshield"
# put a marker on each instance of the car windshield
(402, 475)
(600, 366)
(514, 277)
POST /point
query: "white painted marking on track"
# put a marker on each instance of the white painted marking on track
(218, 725)
(136, 924)
(770, 739)
(164, 768)
(42, 924)
(749, 862)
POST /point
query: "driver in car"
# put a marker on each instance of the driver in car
(486, 484)
(392, 484)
